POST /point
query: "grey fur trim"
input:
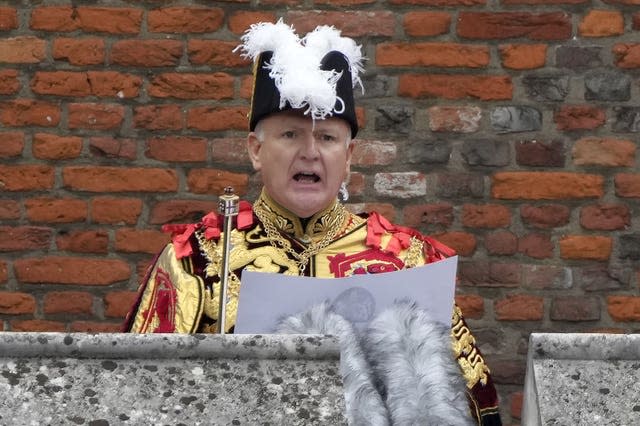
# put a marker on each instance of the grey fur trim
(400, 371)
(411, 355)
(364, 404)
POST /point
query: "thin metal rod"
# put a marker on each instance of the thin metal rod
(228, 207)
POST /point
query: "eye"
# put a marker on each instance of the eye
(289, 134)
(326, 137)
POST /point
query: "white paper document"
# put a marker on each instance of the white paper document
(267, 298)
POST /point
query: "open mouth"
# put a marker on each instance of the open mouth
(305, 177)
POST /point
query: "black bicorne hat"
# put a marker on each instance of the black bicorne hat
(265, 98)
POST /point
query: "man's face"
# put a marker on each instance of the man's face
(302, 162)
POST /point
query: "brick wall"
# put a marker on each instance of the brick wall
(508, 129)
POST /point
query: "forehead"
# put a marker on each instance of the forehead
(297, 119)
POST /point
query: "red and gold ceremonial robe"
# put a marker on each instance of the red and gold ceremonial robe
(179, 291)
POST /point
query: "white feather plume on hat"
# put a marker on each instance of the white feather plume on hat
(295, 65)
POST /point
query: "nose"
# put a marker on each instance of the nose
(309, 148)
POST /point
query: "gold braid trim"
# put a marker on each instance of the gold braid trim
(471, 362)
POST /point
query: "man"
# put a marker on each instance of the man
(302, 124)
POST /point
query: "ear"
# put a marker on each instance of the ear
(347, 170)
(253, 148)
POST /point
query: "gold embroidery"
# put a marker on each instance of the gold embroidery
(471, 362)
(327, 225)
(414, 256)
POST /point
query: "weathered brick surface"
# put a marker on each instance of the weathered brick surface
(71, 270)
(624, 308)
(507, 129)
(68, 302)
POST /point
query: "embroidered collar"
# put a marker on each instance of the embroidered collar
(305, 231)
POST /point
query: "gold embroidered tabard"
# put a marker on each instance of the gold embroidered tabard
(471, 362)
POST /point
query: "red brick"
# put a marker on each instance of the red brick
(230, 150)
(9, 83)
(246, 88)
(432, 55)
(609, 152)
(212, 181)
(627, 55)
(177, 149)
(458, 119)
(356, 184)
(455, 86)
(546, 185)
(95, 327)
(538, 246)
(523, 56)
(519, 307)
(545, 216)
(109, 20)
(22, 50)
(12, 144)
(61, 83)
(485, 216)
(438, 214)
(118, 303)
(628, 2)
(80, 52)
(114, 84)
(373, 152)
(471, 305)
(56, 210)
(16, 303)
(24, 238)
(29, 112)
(142, 268)
(211, 119)
(68, 302)
(575, 308)
(627, 184)
(344, 2)
(26, 178)
(624, 308)
(158, 117)
(146, 53)
(579, 117)
(83, 241)
(95, 116)
(4, 273)
(462, 242)
(636, 21)
(501, 243)
(542, 2)
(54, 18)
(185, 19)
(71, 270)
(485, 274)
(189, 211)
(425, 24)
(351, 23)
(140, 241)
(240, 21)
(192, 86)
(601, 23)
(9, 209)
(515, 408)
(216, 53)
(8, 18)
(37, 325)
(113, 148)
(115, 210)
(53, 147)
(444, 3)
(119, 179)
(499, 25)
(585, 247)
(605, 217)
